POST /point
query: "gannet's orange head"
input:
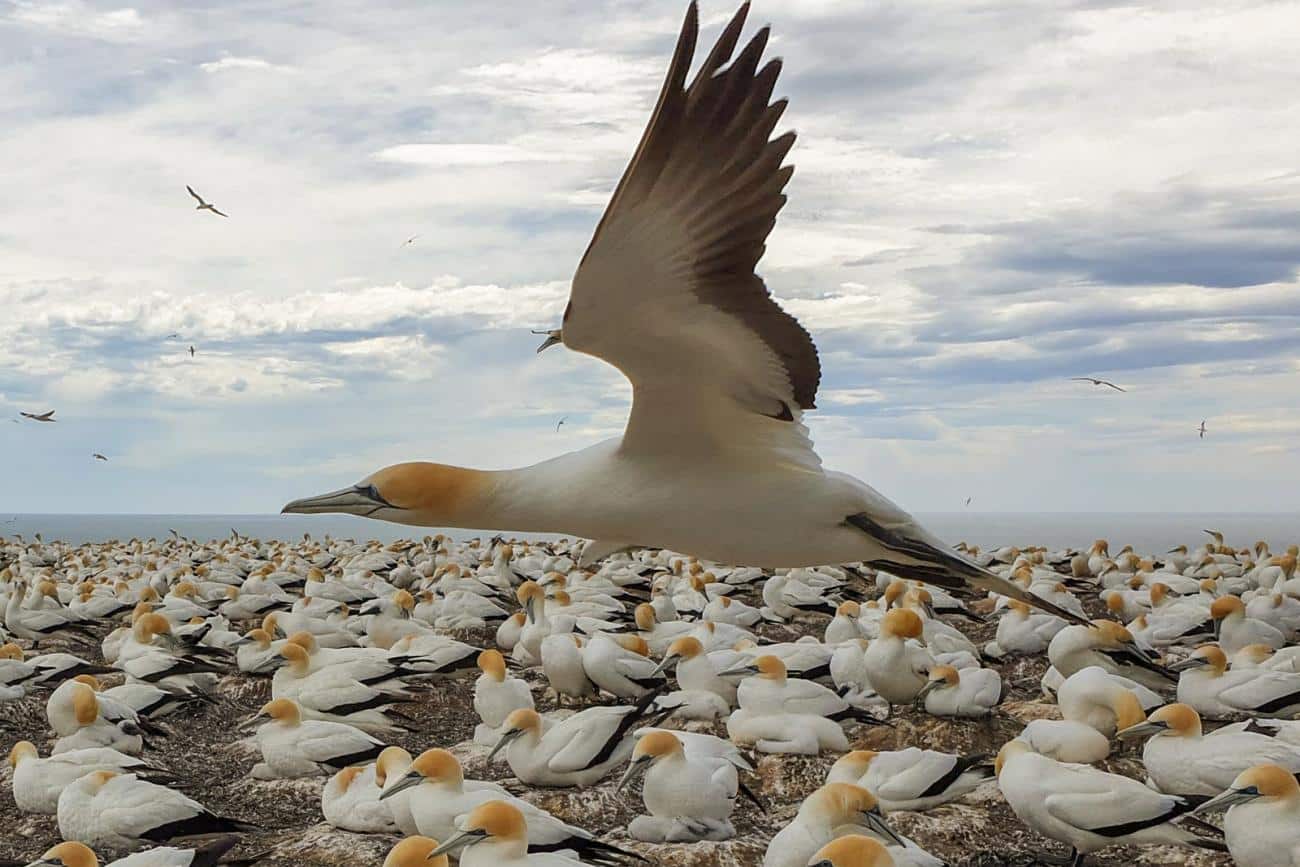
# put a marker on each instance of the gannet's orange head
(849, 609)
(770, 668)
(1021, 608)
(71, 854)
(346, 777)
(439, 766)
(530, 594)
(1009, 750)
(282, 710)
(89, 680)
(393, 761)
(21, 751)
(1127, 708)
(1108, 633)
(404, 600)
(645, 617)
(902, 623)
(185, 590)
(1209, 656)
(1159, 591)
(96, 781)
(260, 636)
(11, 651)
(562, 598)
(1226, 606)
(271, 623)
(1178, 720)
(656, 744)
(305, 640)
(414, 851)
(1114, 603)
(421, 494)
(854, 763)
(632, 643)
(843, 803)
(493, 820)
(493, 664)
(852, 850)
(295, 658)
(85, 707)
(686, 647)
(944, 676)
(1270, 781)
(894, 592)
(520, 722)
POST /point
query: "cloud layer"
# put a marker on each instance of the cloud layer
(989, 199)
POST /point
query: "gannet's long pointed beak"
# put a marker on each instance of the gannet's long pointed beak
(363, 500)
(1227, 799)
(1142, 729)
(878, 823)
(463, 838)
(553, 337)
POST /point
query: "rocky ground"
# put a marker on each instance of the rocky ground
(213, 761)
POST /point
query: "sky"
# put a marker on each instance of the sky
(989, 198)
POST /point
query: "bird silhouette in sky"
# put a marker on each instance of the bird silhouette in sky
(204, 206)
(39, 416)
(1096, 381)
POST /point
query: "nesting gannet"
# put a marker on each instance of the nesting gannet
(897, 665)
(417, 851)
(496, 695)
(439, 792)
(1065, 740)
(1089, 809)
(333, 694)
(834, 810)
(391, 766)
(620, 665)
(202, 206)
(1262, 825)
(562, 665)
(1109, 645)
(295, 747)
(38, 781)
(1206, 684)
(1024, 632)
(350, 801)
(688, 798)
(771, 691)
(1235, 630)
(74, 854)
(715, 447)
(911, 778)
(1102, 701)
(121, 810)
(1181, 761)
(970, 693)
(77, 720)
(495, 834)
(576, 751)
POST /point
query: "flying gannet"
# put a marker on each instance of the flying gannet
(715, 459)
(202, 205)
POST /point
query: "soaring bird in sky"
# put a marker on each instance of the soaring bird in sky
(1096, 381)
(202, 205)
(560, 422)
(409, 241)
(715, 460)
(97, 456)
(1201, 429)
(39, 416)
(191, 352)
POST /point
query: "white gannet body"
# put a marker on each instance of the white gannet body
(973, 692)
(350, 802)
(294, 747)
(911, 779)
(496, 695)
(1206, 684)
(37, 782)
(687, 797)
(121, 811)
(897, 666)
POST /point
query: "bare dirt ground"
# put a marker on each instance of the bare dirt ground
(206, 753)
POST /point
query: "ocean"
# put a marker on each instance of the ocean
(1147, 532)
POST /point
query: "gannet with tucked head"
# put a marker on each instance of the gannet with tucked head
(715, 450)
(37, 782)
(1262, 825)
(415, 851)
(970, 693)
(912, 778)
(834, 810)
(350, 801)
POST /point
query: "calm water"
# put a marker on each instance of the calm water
(1145, 531)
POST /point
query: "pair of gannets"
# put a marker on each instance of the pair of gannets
(122, 810)
(837, 810)
(37, 782)
(1215, 692)
(292, 746)
(77, 854)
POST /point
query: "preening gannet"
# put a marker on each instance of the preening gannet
(715, 450)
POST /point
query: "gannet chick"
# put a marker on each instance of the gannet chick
(1234, 630)
(1205, 684)
(1181, 761)
(576, 751)
(562, 665)
(121, 811)
(971, 693)
(1066, 741)
(73, 854)
(855, 850)
(834, 810)
(415, 851)
(897, 665)
(1262, 825)
(688, 799)
(37, 782)
(1087, 808)
(350, 802)
(911, 779)
(294, 747)
(495, 696)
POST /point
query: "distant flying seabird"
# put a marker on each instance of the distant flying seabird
(1201, 429)
(714, 449)
(409, 241)
(204, 206)
(97, 456)
(968, 499)
(1095, 381)
(191, 352)
(172, 336)
(43, 416)
(560, 422)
